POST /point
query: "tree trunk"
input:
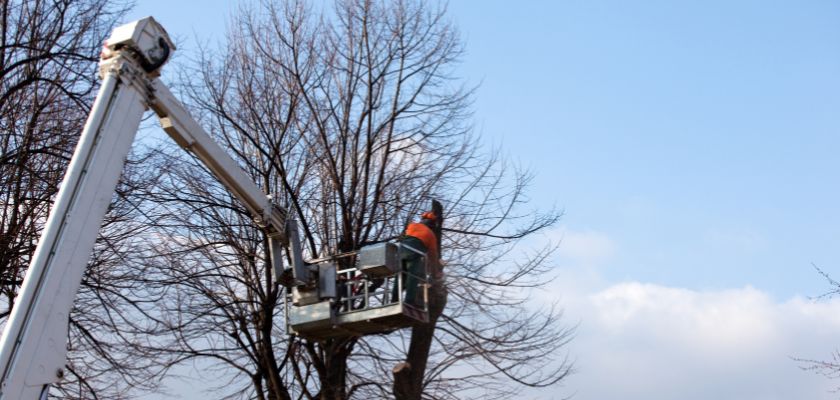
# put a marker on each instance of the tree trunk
(408, 375)
(334, 376)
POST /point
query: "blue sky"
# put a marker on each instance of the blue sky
(693, 146)
(701, 136)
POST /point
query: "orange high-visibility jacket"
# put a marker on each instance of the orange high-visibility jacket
(426, 235)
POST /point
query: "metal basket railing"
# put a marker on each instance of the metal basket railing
(358, 292)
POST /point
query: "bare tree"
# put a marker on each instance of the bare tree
(351, 118)
(830, 368)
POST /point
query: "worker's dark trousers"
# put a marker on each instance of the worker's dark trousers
(414, 264)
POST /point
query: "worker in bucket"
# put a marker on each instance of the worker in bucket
(418, 236)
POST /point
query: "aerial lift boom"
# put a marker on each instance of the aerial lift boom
(365, 295)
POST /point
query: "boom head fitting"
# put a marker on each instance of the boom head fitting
(145, 40)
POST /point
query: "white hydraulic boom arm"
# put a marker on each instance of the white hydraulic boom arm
(33, 347)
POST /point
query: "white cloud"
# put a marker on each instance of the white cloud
(645, 341)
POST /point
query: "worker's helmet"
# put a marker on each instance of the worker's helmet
(428, 218)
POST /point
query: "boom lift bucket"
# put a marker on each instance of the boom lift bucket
(375, 294)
